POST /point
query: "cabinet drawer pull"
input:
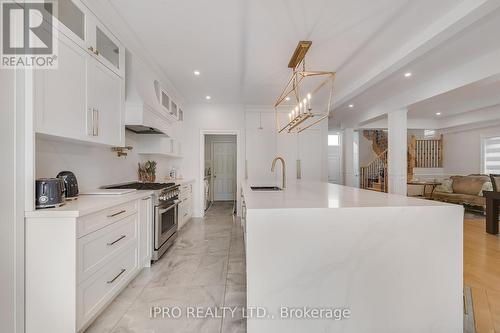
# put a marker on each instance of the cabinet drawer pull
(116, 277)
(115, 214)
(185, 214)
(117, 240)
(145, 199)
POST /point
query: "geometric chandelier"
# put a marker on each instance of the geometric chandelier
(301, 115)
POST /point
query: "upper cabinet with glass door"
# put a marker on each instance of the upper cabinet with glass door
(78, 23)
(70, 19)
(103, 44)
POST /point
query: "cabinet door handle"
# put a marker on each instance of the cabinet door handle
(118, 213)
(144, 199)
(90, 122)
(116, 277)
(96, 52)
(91, 49)
(117, 240)
(97, 122)
(94, 121)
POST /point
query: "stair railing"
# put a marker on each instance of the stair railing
(376, 170)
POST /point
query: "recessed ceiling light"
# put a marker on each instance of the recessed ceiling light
(351, 105)
(197, 73)
(287, 98)
(438, 113)
(208, 97)
(407, 74)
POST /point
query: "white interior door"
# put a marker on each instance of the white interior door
(334, 158)
(224, 167)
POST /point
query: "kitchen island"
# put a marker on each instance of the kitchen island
(330, 258)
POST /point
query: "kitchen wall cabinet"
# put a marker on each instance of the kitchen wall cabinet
(145, 231)
(104, 46)
(106, 98)
(70, 17)
(77, 22)
(60, 95)
(82, 99)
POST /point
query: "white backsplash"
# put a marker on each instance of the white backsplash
(95, 166)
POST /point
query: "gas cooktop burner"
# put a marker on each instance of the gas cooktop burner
(144, 186)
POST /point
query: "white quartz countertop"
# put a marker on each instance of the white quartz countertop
(184, 181)
(87, 204)
(306, 194)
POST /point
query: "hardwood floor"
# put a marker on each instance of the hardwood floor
(482, 273)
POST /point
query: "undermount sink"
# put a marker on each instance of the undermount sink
(265, 188)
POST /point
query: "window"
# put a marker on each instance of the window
(491, 155)
(429, 133)
(333, 139)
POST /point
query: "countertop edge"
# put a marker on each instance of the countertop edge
(95, 207)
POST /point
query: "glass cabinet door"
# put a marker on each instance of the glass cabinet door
(102, 44)
(71, 17)
(107, 48)
(173, 109)
(165, 100)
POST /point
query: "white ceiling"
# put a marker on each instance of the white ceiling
(242, 47)
(475, 96)
(443, 78)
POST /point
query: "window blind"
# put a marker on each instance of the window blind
(491, 153)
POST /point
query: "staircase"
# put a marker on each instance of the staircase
(374, 175)
(379, 140)
(422, 153)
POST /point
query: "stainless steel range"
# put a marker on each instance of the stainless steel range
(165, 202)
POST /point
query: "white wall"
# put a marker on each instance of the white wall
(209, 116)
(462, 150)
(95, 166)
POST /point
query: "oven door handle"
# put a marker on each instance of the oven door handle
(163, 210)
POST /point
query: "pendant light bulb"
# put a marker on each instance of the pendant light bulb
(309, 96)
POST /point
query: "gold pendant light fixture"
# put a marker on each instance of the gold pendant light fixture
(301, 115)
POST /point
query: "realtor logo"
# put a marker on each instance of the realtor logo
(28, 35)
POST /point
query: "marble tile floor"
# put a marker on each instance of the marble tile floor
(205, 268)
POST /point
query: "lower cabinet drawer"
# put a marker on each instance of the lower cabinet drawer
(95, 249)
(96, 221)
(94, 293)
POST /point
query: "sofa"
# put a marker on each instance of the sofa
(466, 190)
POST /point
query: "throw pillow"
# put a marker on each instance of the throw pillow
(446, 186)
(487, 186)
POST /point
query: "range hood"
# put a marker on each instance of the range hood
(143, 112)
(141, 129)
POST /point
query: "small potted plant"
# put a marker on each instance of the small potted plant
(147, 172)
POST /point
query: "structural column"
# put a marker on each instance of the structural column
(397, 151)
(350, 157)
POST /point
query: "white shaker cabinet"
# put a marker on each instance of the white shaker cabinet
(104, 46)
(185, 210)
(145, 231)
(82, 99)
(80, 257)
(106, 99)
(60, 95)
